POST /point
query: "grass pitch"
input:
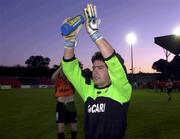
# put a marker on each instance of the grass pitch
(30, 114)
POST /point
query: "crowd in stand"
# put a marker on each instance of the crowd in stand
(16, 82)
(159, 85)
(163, 85)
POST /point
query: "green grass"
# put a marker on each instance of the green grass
(152, 116)
(30, 114)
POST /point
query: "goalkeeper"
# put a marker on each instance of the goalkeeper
(107, 96)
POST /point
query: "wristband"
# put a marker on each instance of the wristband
(96, 36)
(70, 43)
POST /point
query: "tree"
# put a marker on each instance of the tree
(168, 69)
(160, 66)
(37, 62)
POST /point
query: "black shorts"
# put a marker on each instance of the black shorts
(66, 113)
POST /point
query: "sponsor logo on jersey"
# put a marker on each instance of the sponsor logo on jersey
(97, 108)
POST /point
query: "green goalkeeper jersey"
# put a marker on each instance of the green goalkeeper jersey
(105, 108)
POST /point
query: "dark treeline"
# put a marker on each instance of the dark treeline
(36, 66)
(21, 71)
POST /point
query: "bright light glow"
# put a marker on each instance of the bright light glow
(131, 38)
(177, 31)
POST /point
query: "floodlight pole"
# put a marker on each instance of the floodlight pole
(132, 66)
(131, 39)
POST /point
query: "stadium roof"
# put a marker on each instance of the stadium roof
(169, 42)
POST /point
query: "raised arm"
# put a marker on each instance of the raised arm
(70, 64)
(92, 26)
(55, 75)
(70, 42)
(104, 47)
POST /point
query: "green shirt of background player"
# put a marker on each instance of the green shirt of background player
(108, 94)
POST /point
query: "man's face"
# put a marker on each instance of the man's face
(100, 74)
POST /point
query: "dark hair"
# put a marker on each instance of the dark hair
(97, 56)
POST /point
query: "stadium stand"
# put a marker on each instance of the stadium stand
(14, 82)
(29, 80)
(45, 81)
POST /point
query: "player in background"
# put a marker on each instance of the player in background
(65, 107)
(169, 87)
